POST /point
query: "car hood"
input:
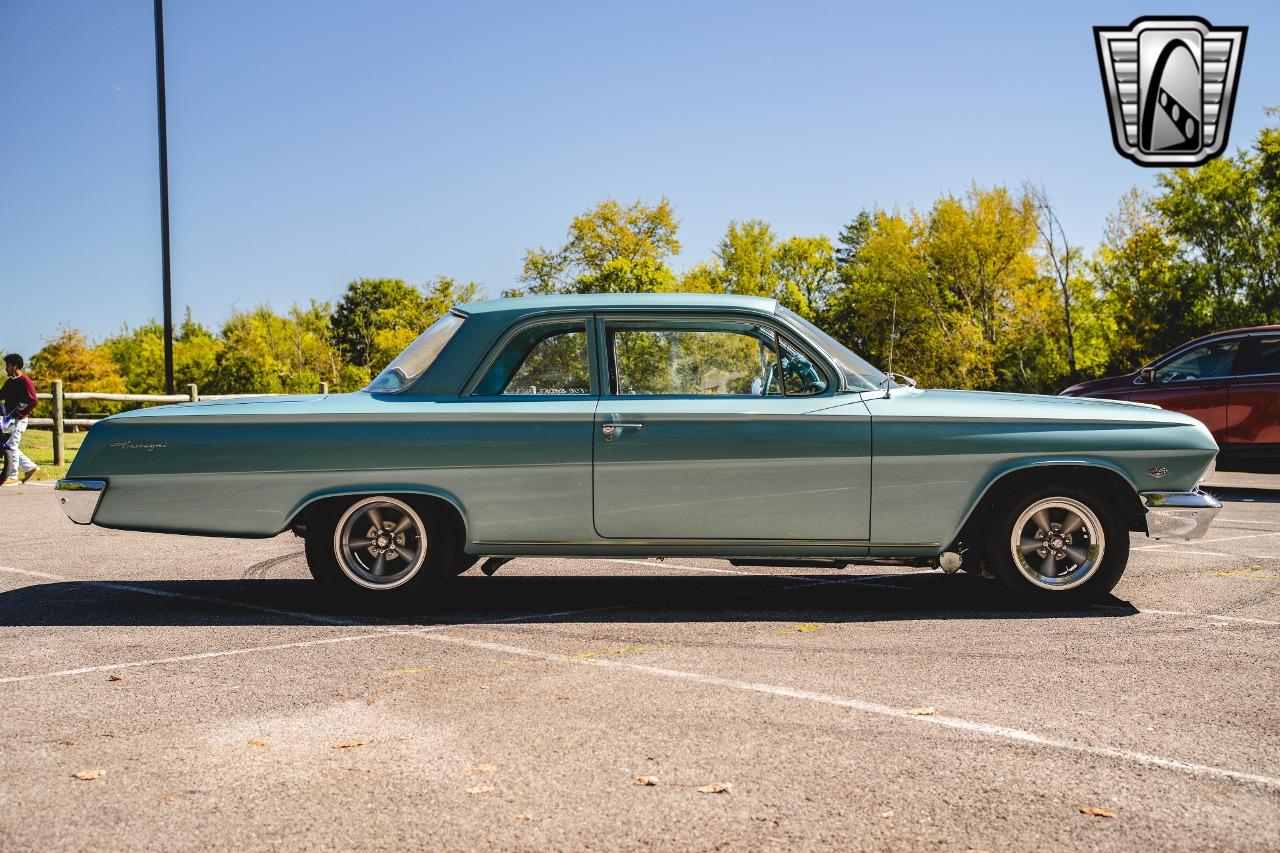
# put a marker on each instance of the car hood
(992, 405)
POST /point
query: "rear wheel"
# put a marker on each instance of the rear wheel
(1057, 544)
(378, 546)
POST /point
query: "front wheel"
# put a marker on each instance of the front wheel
(1057, 544)
(377, 547)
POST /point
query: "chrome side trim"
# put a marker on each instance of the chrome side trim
(1179, 515)
(736, 543)
(79, 498)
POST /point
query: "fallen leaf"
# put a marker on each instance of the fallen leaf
(481, 789)
(349, 744)
(807, 628)
(481, 768)
(716, 788)
(253, 741)
(1255, 568)
(85, 775)
(582, 656)
(368, 701)
(115, 678)
(926, 711)
(647, 781)
(1094, 811)
(411, 671)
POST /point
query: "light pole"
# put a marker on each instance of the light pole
(161, 129)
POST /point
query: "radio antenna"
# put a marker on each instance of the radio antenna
(893, 333)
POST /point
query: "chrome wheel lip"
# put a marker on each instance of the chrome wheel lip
(345, 554)
(1082, 571)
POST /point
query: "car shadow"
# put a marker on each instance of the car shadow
(470, 599)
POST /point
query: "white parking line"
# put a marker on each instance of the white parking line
(1181, 551)
(1221, 520)
(207, 599)
(385, 632)
(108, 667)
(859, 579)
(867, 707)
(1211, 541)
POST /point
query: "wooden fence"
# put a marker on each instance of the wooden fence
(59, 398)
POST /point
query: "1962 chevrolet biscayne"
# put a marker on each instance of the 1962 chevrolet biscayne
(654, 425)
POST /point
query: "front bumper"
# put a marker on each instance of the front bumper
(79, 498)
(1179, 515)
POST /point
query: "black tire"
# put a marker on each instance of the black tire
(1053, 573)
(342, 556)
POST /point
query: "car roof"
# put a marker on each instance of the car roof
(610, 301)
(1225, 333)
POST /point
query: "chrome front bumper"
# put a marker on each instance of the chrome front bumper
(1179, 515)
(79, 498)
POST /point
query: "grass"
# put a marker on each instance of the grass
(38, 444)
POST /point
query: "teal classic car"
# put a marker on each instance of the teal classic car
(654, 425)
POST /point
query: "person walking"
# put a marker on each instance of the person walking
(17, 399)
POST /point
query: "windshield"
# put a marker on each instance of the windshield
(417, 357)
(859, 374)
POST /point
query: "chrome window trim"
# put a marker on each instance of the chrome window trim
(1185, 348)
(529, 321)
(835, 377)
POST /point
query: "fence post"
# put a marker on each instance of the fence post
(324, 387)
(59, 450)
(193, 392)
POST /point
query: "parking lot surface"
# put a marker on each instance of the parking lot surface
(210, 699)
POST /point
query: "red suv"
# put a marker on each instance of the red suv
(1228, 380)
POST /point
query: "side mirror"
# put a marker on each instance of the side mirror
(1147, 375)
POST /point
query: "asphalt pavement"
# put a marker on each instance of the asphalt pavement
(208, 699)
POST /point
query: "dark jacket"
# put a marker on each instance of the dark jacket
(18, 396)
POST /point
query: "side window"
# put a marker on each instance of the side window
(546, 359)
(1264, 357)
(1204, 362)
(734, 360)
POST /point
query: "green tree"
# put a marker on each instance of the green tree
(612, 248)
(371, 306)
(266, 353)
(972, 310)
(80, 365)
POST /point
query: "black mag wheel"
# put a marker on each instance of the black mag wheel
(1057, 544)
(377, 546)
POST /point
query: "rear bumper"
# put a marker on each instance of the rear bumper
(1179, 515)
(79, 498)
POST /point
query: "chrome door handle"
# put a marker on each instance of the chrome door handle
(611, 429)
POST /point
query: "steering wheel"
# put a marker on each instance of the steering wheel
(799, 367)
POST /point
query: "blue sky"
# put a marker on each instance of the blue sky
(313, 143)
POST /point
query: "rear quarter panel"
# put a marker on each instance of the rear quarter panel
(515, 472)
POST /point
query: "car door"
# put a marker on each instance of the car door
(517, 447)
(696, 437)
(1253, 407)
(1195, 382)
